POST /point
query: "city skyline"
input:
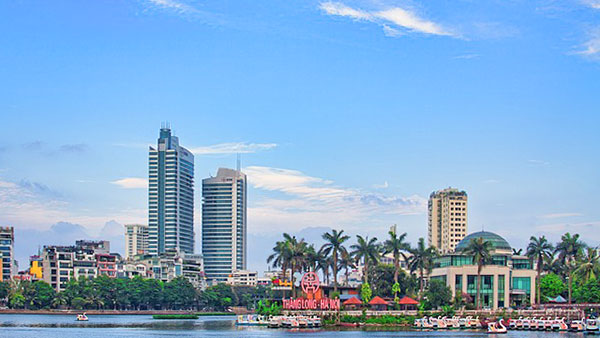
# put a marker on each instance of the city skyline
(345, 116)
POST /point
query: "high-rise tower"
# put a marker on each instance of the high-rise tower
(447, 219)
(224, 224)
(170, 196)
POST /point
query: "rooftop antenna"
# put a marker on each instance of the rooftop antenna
(239, 162)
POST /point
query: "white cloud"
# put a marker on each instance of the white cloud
(409, 20)
(312, 201)
(591, 48)
(592, 3)
(233, 148)
(174, 5)
(395, 21)
(337, 8)
(560, 215)
(24, 207)
(132, 183)
(538, 162)
(385, 185)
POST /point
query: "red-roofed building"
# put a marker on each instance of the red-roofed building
(408, 303)
(352, 303)
(378, 304)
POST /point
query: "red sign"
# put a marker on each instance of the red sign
(311, 304)
(310, 283)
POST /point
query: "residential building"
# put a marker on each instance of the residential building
(136, 240)
(87, 259)
(170, 196)
(101, 247)
(243, 278)
(132, 269)
(447, 219)
(35, 267)
(508, 280)
(7, 257)
(171, 264)
(224, 224)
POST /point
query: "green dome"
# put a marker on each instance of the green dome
(498, 243)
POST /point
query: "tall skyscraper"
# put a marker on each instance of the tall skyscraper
(136, 240)
(170, 196)
(224, 224)
(7, 243)
(447, 219)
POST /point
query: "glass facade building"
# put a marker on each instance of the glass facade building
(170, 196)
(506, 279)
(7, 242)
(224, 224)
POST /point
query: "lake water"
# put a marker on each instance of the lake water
(65, 326)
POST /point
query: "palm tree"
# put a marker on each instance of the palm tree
(323, 264)
(421, 260)
(480, 250)
(281, 255)
(59, 300)
(311, 256)
(297, 262)
(396, 245)
(368, 250)
(334, 245)
(539, 250)
(588, 265)
(569, 249)
(346, 263)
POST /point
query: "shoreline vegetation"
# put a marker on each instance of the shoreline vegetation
(113, 312)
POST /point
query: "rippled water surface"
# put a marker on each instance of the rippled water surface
(64, 326)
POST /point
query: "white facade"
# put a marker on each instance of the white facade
(136, 240)
(447, 224)
(243, 278)
(224, 224)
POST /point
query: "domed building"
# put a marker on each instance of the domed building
(507, 280)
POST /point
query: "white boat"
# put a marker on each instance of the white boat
(497, 327)
(577, 325)
(526, 324)
(591, 325)
(82, 318)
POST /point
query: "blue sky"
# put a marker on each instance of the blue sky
(348, 114)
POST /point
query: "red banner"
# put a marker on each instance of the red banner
(311, 304)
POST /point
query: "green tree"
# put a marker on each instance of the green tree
(179, 293)
(569, 249)
(396, 245)
(78, 303)
(480, 250)
(368, 250)
(59, 300)
(334, 245)
(538, 250)
(438, 294)
(421, 260)
(16, 301)
(380, 277)
(4, 289)
(366, 293)
(587, 292)
(551, 285)
(43, 296)
(588, 265)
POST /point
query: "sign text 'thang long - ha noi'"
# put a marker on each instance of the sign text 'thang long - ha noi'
(310, 285)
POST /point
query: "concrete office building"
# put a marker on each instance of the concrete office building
(447, 219)
(7, 256)
(224, 224)
(506, 281)
(170, 196)
(136, 240)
